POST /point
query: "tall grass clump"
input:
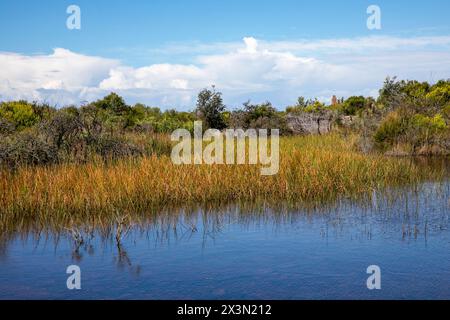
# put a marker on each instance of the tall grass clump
(312, 168)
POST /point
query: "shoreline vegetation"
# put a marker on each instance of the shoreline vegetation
(108, 157)
(312, 169)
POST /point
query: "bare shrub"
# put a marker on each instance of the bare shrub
(27, 148)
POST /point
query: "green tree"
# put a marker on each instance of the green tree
(210, 108)
(390, 95)
(114, 103)
(116, 113)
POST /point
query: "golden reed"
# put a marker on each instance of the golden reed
(312, 168)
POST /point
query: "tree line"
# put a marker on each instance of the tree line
(411, 114)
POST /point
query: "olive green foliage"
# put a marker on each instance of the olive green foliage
(408, 113)
(112, 102)
(392, 126)
(440, 93)
(446, 113)
(419, 96)
(354, 105)
(310, 106)
(152, 119)
(426, 130)
(19, 114)
(108, 129)
(210, 108)
(417, 115)
(259, 116)
(27, 147)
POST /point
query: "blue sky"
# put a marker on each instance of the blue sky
(163, 51)
(109, 27)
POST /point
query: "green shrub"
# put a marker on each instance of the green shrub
(446, 112)
(112, 148)
(431, 124)
(440, 93)
(426, 130)
(27, 148)
(353, 105)
(19, 113)
(6, 127)
(415, 130)
(259, 116)
(391, 128)
(315, 107)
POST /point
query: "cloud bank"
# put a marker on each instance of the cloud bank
(278, 71)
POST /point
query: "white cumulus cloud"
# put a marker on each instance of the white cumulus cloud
(255, 69)
(64, 75)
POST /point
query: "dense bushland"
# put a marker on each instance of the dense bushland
(408, 117)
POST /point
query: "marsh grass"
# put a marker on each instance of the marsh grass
(312, 169)
(393, 207)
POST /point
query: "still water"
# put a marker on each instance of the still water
(244, 253)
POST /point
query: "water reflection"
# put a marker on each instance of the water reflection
(405, 211)
(237, 244)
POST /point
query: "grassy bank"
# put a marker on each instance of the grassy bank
(312, 168)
